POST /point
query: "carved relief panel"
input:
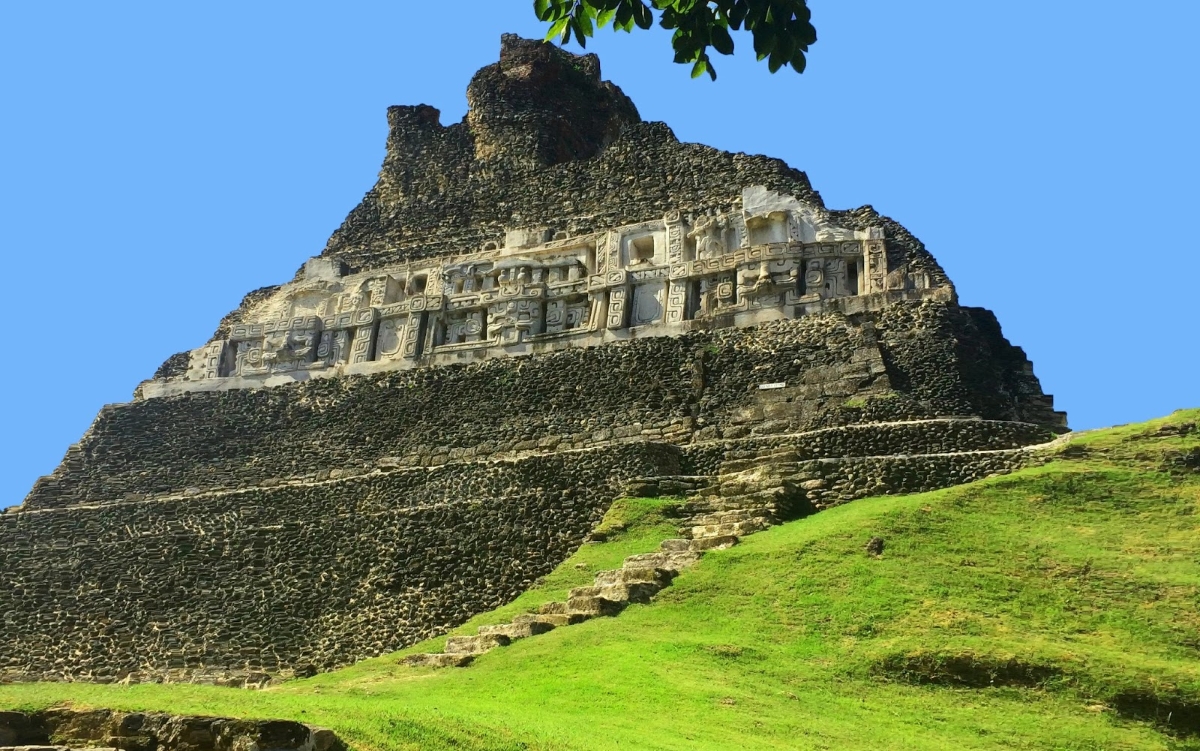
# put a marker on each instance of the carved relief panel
(291, 345)
(210, 361)
(835, 278)
(814, 277)
(682, 268)
(556, 316)
(648, 300)
(514, 320)
(393, 334)
(567, 314)
(675, 237)
(249, 358)
(876, 265)
(463, 327)
(618, 307)
(708, 233)
(677, 292)
(334, 348)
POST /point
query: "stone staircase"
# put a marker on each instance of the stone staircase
(758, 487)
(753, 489)
(750, 494)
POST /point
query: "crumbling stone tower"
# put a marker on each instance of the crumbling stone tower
(530, 308)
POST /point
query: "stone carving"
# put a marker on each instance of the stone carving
(617, 312)
(419, 498)
(647, 303)
(772, 257)
(392, 337)
(708, 232)
(210, 361)
(515, 321)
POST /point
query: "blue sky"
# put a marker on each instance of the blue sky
(159, 160)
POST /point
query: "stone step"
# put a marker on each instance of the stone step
(675, 546)
(747, 487)
(733, 466)
(444, 660)
(729, 517)
(765, 486)
(517, 630)
(712, 543)
(475, 645)
(761, 464)
(674, 561)
(756, 506)
(554, 620)
(594, 606)
(739, 529)
(660, 576)
(619, 592)
(769, 500)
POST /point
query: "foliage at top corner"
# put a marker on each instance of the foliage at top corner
(781, 30)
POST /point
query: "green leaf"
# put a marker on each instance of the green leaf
(721, 41)
(559, 29)
(775, 62)
(699, 69)
(583, 24)
(542, 9)
(799, 62)
(684, 55)
(737, 14)
(642, 15)
(808, 35)
(764, 41)
(785, 46)
(605, 16)
(577, 26)
(625, 16)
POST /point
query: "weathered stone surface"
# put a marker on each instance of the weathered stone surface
(355, 567)
(137, 731)
(533, 311)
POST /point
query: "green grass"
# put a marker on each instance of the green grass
(1054, 608)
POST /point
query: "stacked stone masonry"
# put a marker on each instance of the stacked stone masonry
(757, 486)
(147, 731)
(284, 579)
(696, 387)
(529, 311)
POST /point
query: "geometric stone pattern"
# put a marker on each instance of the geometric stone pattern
(530, 308)
(775, 258)
(687, 389)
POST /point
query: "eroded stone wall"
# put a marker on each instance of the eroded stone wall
(831, 482)
(925, 436)
(697, 387)
(151, 731)
(661, 388)
(548, 143)
(279, 579)
(219, 534)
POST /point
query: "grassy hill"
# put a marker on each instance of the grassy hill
(1054, 608)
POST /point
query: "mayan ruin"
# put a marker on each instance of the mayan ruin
(535, 311)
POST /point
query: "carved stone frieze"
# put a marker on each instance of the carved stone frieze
(772, 256)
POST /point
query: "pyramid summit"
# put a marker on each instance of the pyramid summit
(533, 311)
